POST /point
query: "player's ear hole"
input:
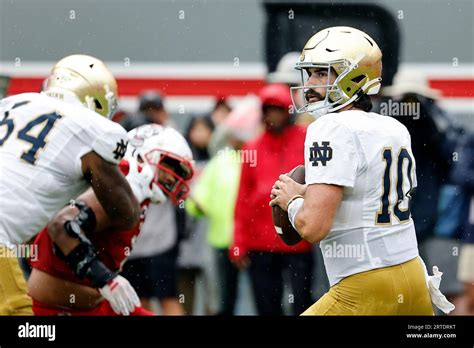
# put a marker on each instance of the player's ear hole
(357, 79)
(98, 105)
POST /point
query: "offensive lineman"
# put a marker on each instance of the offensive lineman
(360, 173)
(53, 146)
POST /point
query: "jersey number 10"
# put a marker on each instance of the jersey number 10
(383, 216)
(37, 142)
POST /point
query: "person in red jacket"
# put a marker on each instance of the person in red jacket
(256, 244)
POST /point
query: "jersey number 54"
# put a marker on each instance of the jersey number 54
(40, 125)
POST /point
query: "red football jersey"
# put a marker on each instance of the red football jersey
(112, 246)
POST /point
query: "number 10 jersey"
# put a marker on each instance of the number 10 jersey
(370, 156)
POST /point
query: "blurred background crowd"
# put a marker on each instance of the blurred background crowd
(218, 253)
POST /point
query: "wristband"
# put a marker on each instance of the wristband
(292, 199)
(294, 206)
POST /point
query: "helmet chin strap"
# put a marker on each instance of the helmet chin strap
(318, 109)
(327, 108)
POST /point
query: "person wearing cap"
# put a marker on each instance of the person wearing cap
(438, 223)
(255, 244)
(286, 73)
(151, 109)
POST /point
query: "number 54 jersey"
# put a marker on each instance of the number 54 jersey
(42, 140)
(370, 156)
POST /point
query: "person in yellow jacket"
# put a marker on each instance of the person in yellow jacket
(214, 195)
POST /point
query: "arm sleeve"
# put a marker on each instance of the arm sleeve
(111, 144)
(331, 156)
(106, 138)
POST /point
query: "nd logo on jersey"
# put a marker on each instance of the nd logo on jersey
(319, 153)
(120, 150)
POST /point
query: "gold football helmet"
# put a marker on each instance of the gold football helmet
(87, 79)
(353, 55)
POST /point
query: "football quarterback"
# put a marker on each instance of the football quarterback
(53, 145)
(159, 160)
(359, 174)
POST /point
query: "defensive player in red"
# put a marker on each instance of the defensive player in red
(159, 161)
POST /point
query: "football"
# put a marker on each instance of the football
(281, 222)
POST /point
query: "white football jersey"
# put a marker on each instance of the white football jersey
(42, 140)
(370, 155)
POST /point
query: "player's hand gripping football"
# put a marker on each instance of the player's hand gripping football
(122, 297)
(283, 190)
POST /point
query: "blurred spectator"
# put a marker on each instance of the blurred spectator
(119, 116)
(463, 175)
(198, 136)
(433, 138)
(219, 137)
(214, 196)
(151, 110)
(220, 112)
(287, 74)
(256, 244)
(195, 256)
(285, 71)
